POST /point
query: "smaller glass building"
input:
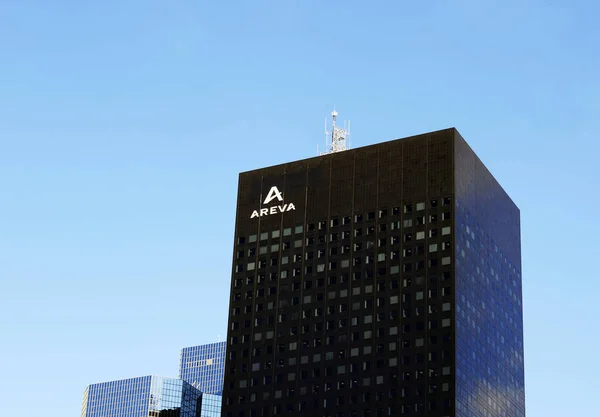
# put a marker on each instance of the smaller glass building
(204, 367)
(146, 396)
(211, 405)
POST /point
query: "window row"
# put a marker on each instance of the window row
(406, 312)
(395, 410)
(332, 325)
(357, 403)
(357, 276)
(365, 397)
(354, 337)
(344, 369)
(380, 348)
(356, 246)
(368, 289)
(356, 262)
(392, 361)
(393, 316)
(346, 234)
(343, 293)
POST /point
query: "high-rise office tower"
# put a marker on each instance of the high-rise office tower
(147, 396)
(203, 367)
(378, 281)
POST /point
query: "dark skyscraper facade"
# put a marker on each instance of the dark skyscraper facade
(378, 281)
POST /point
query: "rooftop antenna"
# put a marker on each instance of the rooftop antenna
(338, 139)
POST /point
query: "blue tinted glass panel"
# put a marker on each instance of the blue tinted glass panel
(489, 318)
(204, 367)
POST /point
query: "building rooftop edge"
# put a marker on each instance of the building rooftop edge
(350, 150)
(460, 137)
(133, 377)
(204, 344)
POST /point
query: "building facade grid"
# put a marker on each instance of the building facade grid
(343, 306)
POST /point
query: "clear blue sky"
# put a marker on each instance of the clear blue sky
(124, 124)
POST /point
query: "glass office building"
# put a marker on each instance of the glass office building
(197, 393)
(203, 367)
(147, 396)
(377, 281)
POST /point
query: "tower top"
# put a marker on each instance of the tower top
(336, 140)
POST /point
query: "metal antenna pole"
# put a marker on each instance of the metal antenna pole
(339, 136)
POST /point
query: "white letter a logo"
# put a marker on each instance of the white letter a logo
(273, 193)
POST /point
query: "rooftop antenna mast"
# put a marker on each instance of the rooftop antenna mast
(337, 139)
